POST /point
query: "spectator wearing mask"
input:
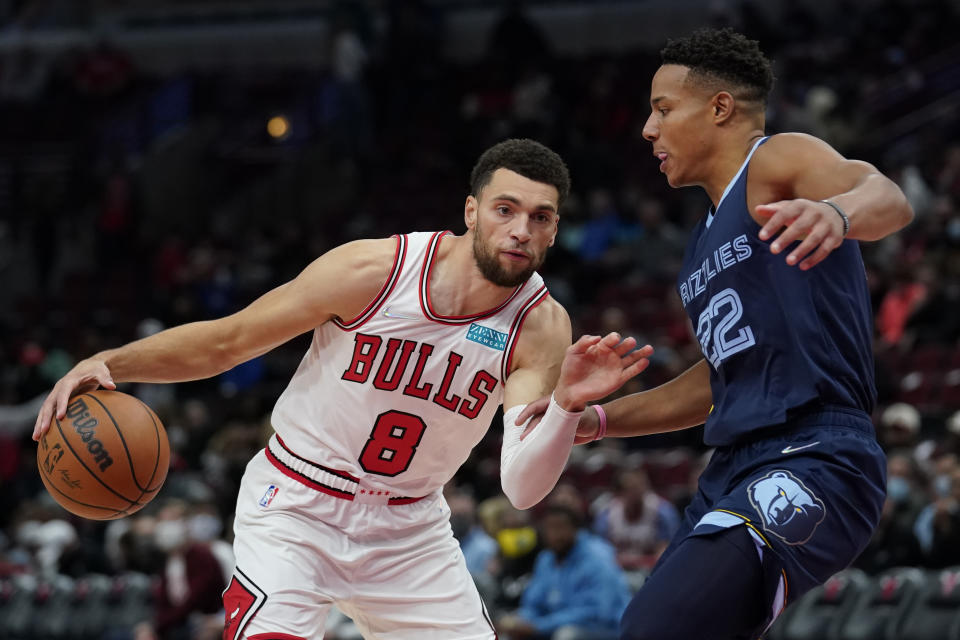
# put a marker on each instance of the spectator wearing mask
(945, 547)
(938, 526)
(893, 543)
(191, 581)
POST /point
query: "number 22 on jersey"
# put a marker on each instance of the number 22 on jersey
(717, 328)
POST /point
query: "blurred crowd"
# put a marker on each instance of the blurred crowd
(130, 202)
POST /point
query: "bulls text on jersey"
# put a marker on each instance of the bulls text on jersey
(392, 368)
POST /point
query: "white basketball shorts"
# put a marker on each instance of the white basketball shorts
(302, 546)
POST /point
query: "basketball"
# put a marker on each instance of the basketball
(107, 458)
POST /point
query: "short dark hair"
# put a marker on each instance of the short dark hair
(555, 509)
(527, 157)
(726, 55)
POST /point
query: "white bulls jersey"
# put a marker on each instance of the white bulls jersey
(399, 396)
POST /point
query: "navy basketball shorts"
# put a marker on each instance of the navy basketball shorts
(810, 494)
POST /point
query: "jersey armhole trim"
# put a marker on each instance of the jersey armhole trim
(532, 302)
(399, 256)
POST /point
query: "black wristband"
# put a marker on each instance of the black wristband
(843, 216)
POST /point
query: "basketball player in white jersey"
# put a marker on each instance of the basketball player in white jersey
(417, 340)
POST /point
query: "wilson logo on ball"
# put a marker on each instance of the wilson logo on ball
(85, 426)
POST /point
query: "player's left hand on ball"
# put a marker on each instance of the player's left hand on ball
(816, 224)
(87, 375)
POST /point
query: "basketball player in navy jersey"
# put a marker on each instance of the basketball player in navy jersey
(795, 486)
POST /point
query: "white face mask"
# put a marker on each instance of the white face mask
(170, 534)
(204, 527)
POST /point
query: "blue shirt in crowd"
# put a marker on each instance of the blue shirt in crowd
(587, 588)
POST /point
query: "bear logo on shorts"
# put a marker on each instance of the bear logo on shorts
(789, 510)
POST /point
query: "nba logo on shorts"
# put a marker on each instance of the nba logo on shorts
(269, 495)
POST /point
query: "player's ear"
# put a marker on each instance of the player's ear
(470, 209)
(721, 107)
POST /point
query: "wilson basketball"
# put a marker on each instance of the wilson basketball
(107, 458)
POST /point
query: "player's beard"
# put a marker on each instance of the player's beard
(488, 261)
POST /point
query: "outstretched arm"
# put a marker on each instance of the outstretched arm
(800, 171)
(339, 283)
(678, 404)
(590, 369)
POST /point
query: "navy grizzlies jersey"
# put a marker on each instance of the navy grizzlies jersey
(777, 338)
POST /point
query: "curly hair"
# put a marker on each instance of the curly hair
(725, 55)
(527, 157)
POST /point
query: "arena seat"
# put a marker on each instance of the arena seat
(129, 601)
(950, 391)
(52, 611)
(821, 611)
(935, 613)
(927, 358)
(90, 606)
(878, 611)
(775, 632)
(669, 471)
(16, 607)
(917, 388)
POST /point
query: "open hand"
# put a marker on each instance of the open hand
(592, 369)
(815, 223)
(595, 367)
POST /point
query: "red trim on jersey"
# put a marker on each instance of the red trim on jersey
(399, 255)
(531, 304)
(425, 305)
(275, 636)
(340, 474)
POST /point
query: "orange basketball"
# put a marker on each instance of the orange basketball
(107, 458)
